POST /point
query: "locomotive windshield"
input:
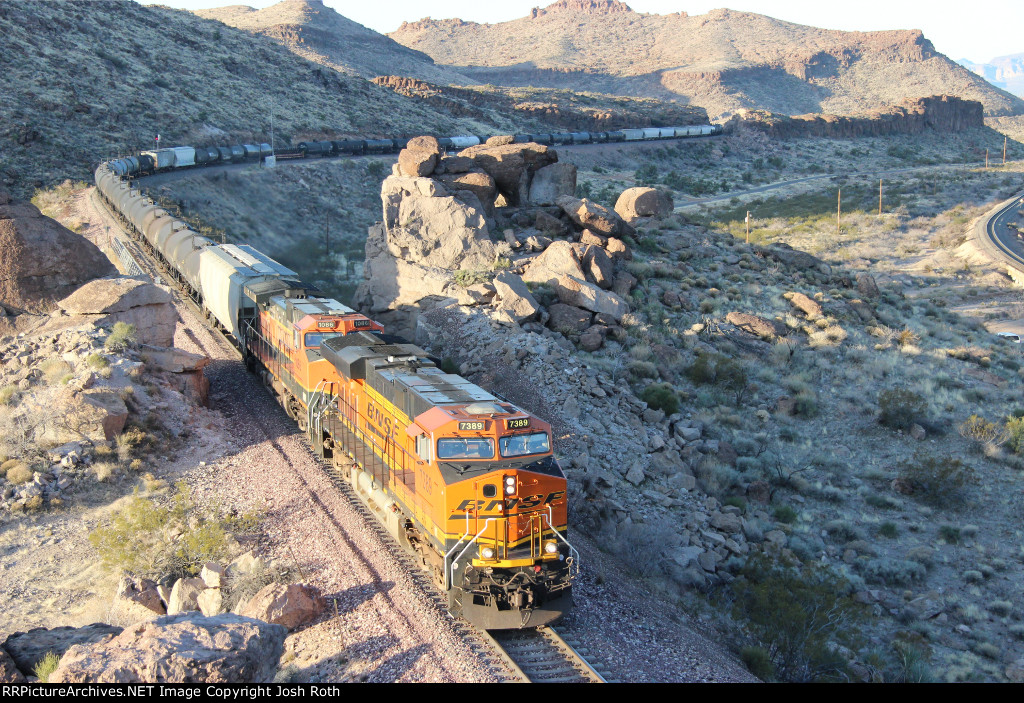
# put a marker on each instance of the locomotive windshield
(459, 448)
(315, 339)
(523, 444)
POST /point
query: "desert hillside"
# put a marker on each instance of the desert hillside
(723, 60)
(320, 34)
(1006, 72)
(73, 90)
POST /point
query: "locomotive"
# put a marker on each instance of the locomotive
(459, 476)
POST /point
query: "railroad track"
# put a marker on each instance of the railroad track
(543, 655)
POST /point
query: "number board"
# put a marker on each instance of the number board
(361, 323)
(517, 423)
(329, 324)
(474, 426)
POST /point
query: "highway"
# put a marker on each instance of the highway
(999, 240)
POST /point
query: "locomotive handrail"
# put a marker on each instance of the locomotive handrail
(449, 579)
(572, 550)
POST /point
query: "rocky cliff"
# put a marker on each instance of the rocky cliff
(941, 113)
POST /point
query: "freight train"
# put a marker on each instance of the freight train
(459, 476)
(149, 162)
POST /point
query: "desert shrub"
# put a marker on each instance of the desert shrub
(643, 369)
(466, 278)
(843, 531)
(758, 662)
(949, 534)
(46, 666)
(7, 394)
(241, 586)
(805, 403)
(97, 361)
(900, 408)
(448, 365)
(719, 370)
(123, 335)
(798, 616)
(53, 370)
(1015, 433)
(148, 538)
(19, 474)
(988, 434)
(892, 572)
(644, 562)
(888, 530)
(937, 480)
(785, 514)
(661, 396)
(1000, 608)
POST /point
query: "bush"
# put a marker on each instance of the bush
(937, 480)
(785, 514)
(123, 335)
(758, 662)
(661, 396)
(7, 394)
(888, 530)
(1015, 433)
(148, 539)
(97, 361)
(719, 370)
(46, 666)
(798, 616)
(893, 572)
(978, 429)
(900, 408)
(19, 474)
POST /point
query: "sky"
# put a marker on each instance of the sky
(978, 30)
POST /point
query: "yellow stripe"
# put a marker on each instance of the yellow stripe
(386, 404)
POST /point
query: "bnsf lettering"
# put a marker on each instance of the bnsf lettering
(378, 418)
(528, 502)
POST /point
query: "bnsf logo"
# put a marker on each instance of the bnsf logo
(482, 506)
(379, 418)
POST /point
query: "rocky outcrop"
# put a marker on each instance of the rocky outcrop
(552, 182)
(635, 203)
(28, 648)
(42, 261)
(514, 298)
(136, 600)
(753, 324)
(107, 301)
(573, 291)
(185, 595)
(187, 370)
(8, 669)
(940, 113)
(186, 648)
(292, 605)
(512, 166)
(597, 218)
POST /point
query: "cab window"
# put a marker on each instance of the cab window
(523, 444)
(463, 448)
(315, 339)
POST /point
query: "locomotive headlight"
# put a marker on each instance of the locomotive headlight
(550, 547)
(509, 489)
(486, 552)
(510, 480)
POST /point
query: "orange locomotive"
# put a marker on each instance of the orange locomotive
(465, 479)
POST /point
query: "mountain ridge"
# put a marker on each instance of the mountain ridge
(723, 60)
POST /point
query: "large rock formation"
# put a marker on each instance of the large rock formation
(941, 113)
(41, 260)
(186, 648)
(292, 605)
(512, 166)
(107, 301)
(28, 648)
(635, 203)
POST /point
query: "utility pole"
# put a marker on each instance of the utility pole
(986, 158)
(879, 197)
(327, 237)
(839, 211)
(1004, 150)
(748, 226)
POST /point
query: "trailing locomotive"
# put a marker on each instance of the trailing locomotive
(458, 475)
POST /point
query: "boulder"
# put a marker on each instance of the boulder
(759, 492)
(590, 215)
(550, 224)
(512, 166)
(419, 157)
(808, 306)
(210, 602)
(8, 669)
(245, 564)
(454, 164)
(515, 297)
(28, 648)
(591, 341)
(42, 260)
(578, 293)
(867, 286)
(752, 324)
(552, 182)
(599, 267)
(184, 648)
(290, 605)
(568, 319)
(189, 375)
(635, 203)
(796, 259)
(617, 249)
(107, 301)
(727, 523)
(96, 414)
(559, 259)
(137, 599)
(623, 284)
(185, 595)
(588, 237)
(213, 575)
(476, 182)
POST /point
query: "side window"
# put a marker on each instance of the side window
(423, 447)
